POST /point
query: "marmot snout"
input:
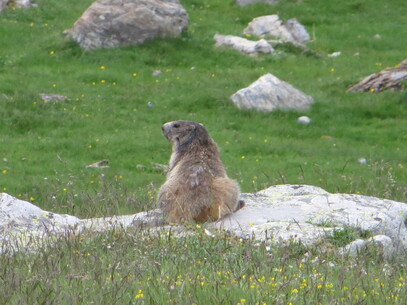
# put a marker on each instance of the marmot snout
(197, 187)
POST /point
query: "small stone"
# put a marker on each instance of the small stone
(243, 45)
(53, 97)
(304, 120)
(247, 2)
(209, 233)
(157, 73)
(141, 167)
(362, 161)
(99, 164)
(355, 247)
(335, 54)
(385, 244)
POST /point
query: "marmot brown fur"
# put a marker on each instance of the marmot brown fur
(197, 187)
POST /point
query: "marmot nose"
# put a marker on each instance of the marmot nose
(166, 126)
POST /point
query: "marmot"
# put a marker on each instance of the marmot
(197, 187)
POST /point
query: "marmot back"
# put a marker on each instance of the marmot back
(197, 186)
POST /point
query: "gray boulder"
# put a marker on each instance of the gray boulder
(269, 93)
(272, 25)
(281, 213)
(113, 23)
(243, 45)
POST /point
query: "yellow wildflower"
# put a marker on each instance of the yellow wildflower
(139, 295)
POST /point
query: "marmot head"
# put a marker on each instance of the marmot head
(183, 133)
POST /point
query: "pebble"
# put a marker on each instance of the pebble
(304, 120)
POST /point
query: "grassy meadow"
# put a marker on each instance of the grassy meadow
(116, 107)
(115, 111)
(145, 268)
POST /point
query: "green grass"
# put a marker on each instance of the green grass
(344, 236)
(45, 147)
(135, 267)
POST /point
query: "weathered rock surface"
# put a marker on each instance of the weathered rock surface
(243, 45)
(247, 2)
(272, 25)
(269, 93)
(382, 242)
(113, 23)
(23, 224)
(277, 214)
(3, 4)
(307, 213)
(297, 30)
(290, 34)
(385, 79)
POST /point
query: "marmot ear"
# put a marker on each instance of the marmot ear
(192, 128)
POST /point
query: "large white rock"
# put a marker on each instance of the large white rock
(23, 224)
(306, 213)
(18, 214)
(112, 23)
(277, 214)
(243, 45)
(269, 93)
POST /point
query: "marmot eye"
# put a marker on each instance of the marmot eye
(176, 125)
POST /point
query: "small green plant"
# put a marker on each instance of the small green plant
(344, 236)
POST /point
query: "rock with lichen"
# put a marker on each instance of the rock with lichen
(279, 214)
(114, 23)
